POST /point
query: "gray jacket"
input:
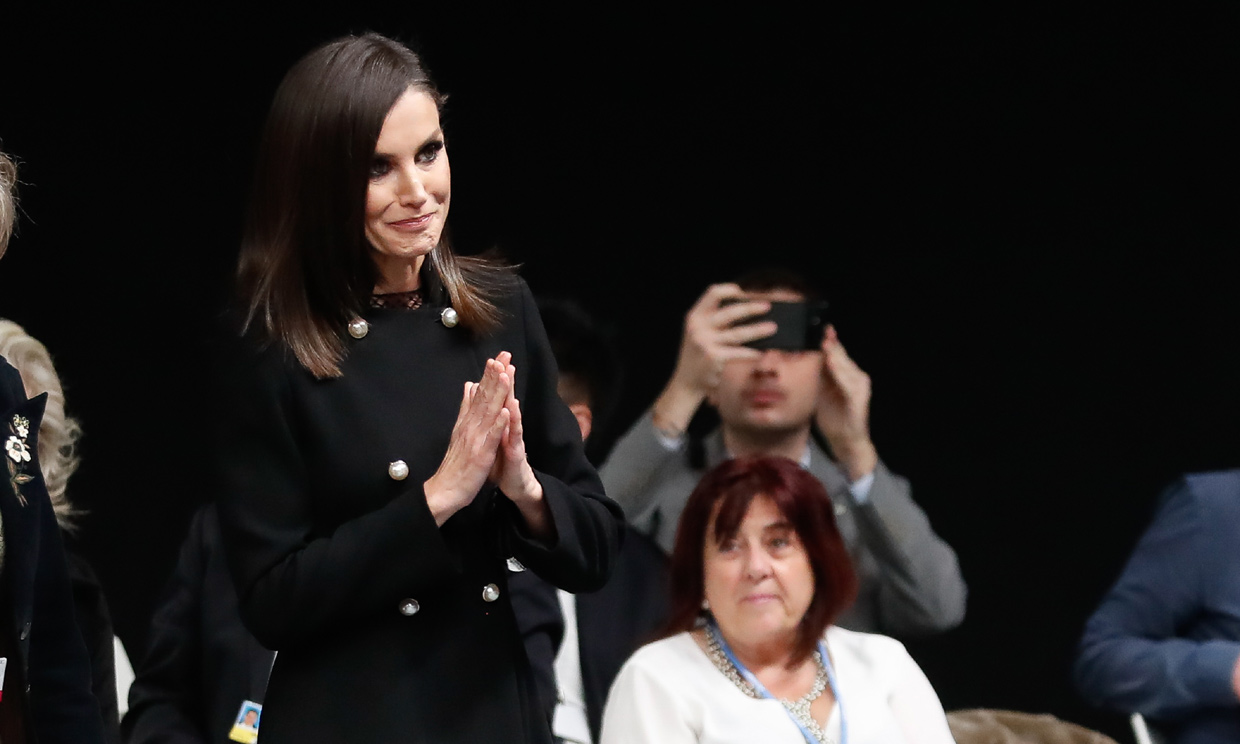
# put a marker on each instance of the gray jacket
(910, 582)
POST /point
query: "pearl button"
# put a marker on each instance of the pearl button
(398, 470)
(409, 607)
(358, 328)
(840, 509)
(515, 565)
(490, 593)
(449, 317)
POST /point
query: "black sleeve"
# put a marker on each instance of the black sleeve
(165, 704)
(587, 523)
(96, 625)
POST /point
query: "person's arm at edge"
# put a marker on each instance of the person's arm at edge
(1129, 658)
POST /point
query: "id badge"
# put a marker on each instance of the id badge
(245, 730)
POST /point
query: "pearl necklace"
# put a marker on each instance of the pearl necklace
(798, 708)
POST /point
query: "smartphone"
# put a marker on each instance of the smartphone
(799, 325)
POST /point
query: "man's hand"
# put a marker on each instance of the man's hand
(843, 414)
(710, 340)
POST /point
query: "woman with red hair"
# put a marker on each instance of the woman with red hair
(759, 573)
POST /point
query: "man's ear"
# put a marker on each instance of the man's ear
(585, 418)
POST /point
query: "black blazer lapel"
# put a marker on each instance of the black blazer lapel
(20, 496)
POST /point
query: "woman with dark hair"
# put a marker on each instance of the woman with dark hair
(391, 434)
(759, 573)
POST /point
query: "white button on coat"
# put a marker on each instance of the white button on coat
(358, 328)
(449, 317)
(490, 593)
(398, 470)
(409, 607)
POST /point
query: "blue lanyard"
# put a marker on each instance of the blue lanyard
(753, 680)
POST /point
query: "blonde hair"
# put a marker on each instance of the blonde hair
(8, 199)
(58, 433)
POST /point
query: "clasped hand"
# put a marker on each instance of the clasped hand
(487, 444)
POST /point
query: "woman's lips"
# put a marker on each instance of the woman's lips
(761, 598)
(413, 224)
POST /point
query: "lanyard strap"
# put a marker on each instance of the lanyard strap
(761, 688)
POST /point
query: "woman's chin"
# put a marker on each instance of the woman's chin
(758, 627)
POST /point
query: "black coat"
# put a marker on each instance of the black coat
(327, 549)
(37, 602)
(200, 663)
(94, 621)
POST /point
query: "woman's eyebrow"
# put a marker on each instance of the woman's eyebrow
(435, 135)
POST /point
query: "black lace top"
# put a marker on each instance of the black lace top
(411, 300)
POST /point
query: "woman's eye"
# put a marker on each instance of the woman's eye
(780, 542)
(380, 168)
(727, 546)
(430, 152)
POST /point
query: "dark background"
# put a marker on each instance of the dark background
(1025, 218)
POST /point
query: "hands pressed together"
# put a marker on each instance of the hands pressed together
(488, 444)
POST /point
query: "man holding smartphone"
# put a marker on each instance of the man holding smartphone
(769, 400)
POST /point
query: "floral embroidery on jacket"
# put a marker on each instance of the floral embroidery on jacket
(18, 455)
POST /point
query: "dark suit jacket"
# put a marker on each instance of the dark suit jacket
(94, 620)
(37, 599)
(630, 611)
(200, 662)
(540, 622)
(1165, 639)
(387, 625)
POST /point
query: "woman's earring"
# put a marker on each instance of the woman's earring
(705, 605)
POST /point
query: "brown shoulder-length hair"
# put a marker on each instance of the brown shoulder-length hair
(733, 485)
(305, 268)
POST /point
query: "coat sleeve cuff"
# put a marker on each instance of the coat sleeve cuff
(587, 537)
(1210, 679)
